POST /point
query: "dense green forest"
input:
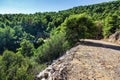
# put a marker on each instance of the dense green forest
(29, 42)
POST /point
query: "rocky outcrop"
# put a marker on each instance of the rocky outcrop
(115, 37)
(58, 70)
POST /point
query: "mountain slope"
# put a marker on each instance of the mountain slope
(39, 25)
(90, 60)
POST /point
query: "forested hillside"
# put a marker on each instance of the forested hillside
(29, 42)
(35, 26)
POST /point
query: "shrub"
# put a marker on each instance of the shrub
(15, 67)
(52, 48)
(79, 26)
(26, 48)
(111, 25)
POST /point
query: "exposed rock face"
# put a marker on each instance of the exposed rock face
(57, 70)
(95, 60)
(115, 37)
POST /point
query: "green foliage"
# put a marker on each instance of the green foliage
(35, 66)
(99, 31)
(111, 25)
(26, 48)
(52, 48)
(6, 37)
(0, 58)
(79, 26)
(14, 67)
(39, 42)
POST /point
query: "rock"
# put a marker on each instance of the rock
(115, 37)
(43, 79)
(58, 69)
(46, 75)
(40, 75)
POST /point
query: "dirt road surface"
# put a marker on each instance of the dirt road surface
(89, 60)
(95, 60)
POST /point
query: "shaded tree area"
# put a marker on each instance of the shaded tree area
(111, 25)
(16, 67)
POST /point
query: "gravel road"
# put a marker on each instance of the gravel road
(89, 60)
(95, 60)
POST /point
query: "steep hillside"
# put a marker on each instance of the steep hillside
(38, 25)
(97, 11)
(90, 60)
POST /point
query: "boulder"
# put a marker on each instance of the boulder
(115, 37)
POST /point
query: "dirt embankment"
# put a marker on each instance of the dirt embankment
(91, 60)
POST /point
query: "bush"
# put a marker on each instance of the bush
(111, 25)
(52, 48)
(15, 67)
(99, 25)
(26, 48)
(79, 27)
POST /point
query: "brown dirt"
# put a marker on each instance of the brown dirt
(95, 60)
(90, 60)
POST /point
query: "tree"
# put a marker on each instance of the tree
(79, 27)
(38, 42)
(15, 67)
(111, 25)
(52, 48)
(7, 38)
(26, 48)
